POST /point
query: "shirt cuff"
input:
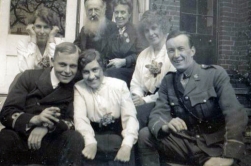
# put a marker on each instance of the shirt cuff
(89, 139)
(128, 140)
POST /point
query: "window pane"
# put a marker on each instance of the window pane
(205, 7)
(205, 25)
(188, 23)
(188, 6)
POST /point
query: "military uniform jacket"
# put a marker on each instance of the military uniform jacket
(126, 46)
(208, 106)
(84, 41)
(33, 93)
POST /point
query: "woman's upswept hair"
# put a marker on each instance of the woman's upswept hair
(153, 17)
(88, 56)
(123, 2)
(45, 15)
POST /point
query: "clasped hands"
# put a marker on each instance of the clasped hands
(47, 118)
(117, 63)
(137, 100)
(123, 154)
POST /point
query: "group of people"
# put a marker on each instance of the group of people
(109, 99)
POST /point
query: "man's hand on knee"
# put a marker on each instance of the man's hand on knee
(90, 151)
(213, 161)
(176, 125)
(36, 136)
(123, 154)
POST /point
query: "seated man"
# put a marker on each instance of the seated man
(104, 114)
(38, 114)
(197, 118)
(97, 27)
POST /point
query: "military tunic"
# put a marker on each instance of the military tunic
(208, 106)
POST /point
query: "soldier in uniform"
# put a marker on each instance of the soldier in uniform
(197, 118)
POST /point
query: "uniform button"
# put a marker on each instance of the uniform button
(209, 127)
(197, 136)
(38, 103)
(172, 104)
(186, 98)
(204, 100)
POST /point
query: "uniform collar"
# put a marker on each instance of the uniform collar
(188, 72)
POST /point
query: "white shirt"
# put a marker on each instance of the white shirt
(29, 54)
(142, 80)
(54, 79)
(112, 96)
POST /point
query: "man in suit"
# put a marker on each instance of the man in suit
(197, 118)
(97, 27)
(38, 115)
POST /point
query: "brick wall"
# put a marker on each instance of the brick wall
(232, 25)
(171, 9)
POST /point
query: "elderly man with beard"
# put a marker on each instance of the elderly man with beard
(97, 27)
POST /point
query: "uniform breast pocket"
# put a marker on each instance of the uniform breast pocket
(205, 103)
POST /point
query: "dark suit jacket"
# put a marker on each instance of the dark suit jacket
(211, 107)
(85, 42)
(128, 46)
(33, 93)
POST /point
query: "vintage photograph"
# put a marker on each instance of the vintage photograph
(22, 13)
(125, 83)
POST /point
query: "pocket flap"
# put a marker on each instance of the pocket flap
(202, 97)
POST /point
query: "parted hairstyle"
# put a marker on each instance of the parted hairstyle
(123, 2)
(88, 56)
(176, 33)
(150, 18)
(65, 48)
(45, 15)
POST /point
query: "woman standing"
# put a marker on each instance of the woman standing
(124, 44)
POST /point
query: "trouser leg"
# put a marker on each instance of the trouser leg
(64, 149)
(13, 148)
(143, 112)
(171, 148)
(147, 148)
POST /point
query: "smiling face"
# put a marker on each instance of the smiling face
(154, 34)
(42, 30)
(93, 74)
(180, 52)
(65, 66)
(121, 14)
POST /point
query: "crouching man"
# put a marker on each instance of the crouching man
(197, 118)
(38, 115)
(104, 114)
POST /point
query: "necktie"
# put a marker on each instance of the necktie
(183, 80)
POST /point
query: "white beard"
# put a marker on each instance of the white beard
(95, 28)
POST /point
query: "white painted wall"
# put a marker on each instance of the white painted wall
(8, 53)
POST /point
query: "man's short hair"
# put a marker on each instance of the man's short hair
(176, 33)
(88, 56)
(123, 2)
(45, 15)
(65, 48)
